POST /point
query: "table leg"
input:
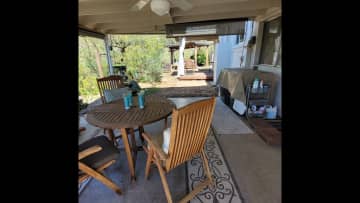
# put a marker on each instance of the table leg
(112, 136)
(133, 144)
(128, 153)
(141, 130)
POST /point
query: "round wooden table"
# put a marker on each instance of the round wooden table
(114, 116)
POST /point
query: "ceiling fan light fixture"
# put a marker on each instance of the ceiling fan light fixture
(160, 7)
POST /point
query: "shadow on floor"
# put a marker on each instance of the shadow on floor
(142, 190)
(196, 91)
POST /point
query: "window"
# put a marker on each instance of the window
(239, 38)
(271, 46)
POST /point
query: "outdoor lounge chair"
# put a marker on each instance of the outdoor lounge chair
(188, 132)
(95, 155)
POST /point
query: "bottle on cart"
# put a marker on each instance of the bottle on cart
(255, 85)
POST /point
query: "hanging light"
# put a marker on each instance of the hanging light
(160, 7)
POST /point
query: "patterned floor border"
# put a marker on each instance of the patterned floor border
(225, 189)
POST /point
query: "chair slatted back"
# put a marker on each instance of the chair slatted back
(189, 129)
(110, 82)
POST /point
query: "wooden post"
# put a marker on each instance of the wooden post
(207, 56)
(171, 56)
(108, 56)
(98, 61)
(195, 56)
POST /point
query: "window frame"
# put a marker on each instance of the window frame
(240, 38)
(263, 46)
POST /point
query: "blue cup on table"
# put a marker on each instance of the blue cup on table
(126, 101)
(129, 95)
(141, 99)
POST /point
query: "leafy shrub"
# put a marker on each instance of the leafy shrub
(201, 59)
(143, 58)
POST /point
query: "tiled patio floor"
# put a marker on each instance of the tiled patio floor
(256, 169)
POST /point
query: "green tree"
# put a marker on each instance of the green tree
(201, 58)
(143, 55)
(92, 65)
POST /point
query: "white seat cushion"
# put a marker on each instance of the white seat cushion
(166, 140)
(163, 140)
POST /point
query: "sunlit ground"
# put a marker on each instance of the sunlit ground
(170, 80)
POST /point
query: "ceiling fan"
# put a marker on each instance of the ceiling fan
(162, 7)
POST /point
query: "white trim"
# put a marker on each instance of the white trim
(239, 45)
(270, 14)
(269, 68)
(181, 68)
(88, 33)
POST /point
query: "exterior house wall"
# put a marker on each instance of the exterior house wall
(237, 52)
(250, 55)
(228, 54)
(222, 56)
(258, 32)
(240, 52)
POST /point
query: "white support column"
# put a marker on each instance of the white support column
(108, 56)
(215, 65)
(181, 69)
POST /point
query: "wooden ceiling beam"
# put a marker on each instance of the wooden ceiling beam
(218, 16)
(128, 28)
(114, 16)
(138, 30)
(107, 7)
(143, 19)
(96, 8)
(106, 26)
(222, 8)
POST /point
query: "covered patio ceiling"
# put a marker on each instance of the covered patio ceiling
(116, 17)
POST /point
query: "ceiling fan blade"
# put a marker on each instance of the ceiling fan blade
(139, 5)
(182, 4)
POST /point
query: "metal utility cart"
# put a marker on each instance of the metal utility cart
(258, 97)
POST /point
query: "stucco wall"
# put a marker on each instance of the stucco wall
(228, 55)
(223, 53)
(237, 52)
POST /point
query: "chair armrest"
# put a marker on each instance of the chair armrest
(89, 151)
(155, 146)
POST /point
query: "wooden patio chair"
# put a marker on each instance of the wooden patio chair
(111, 82)
(189, 129)
(167, 68)
(94, 156)
(189, 64)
